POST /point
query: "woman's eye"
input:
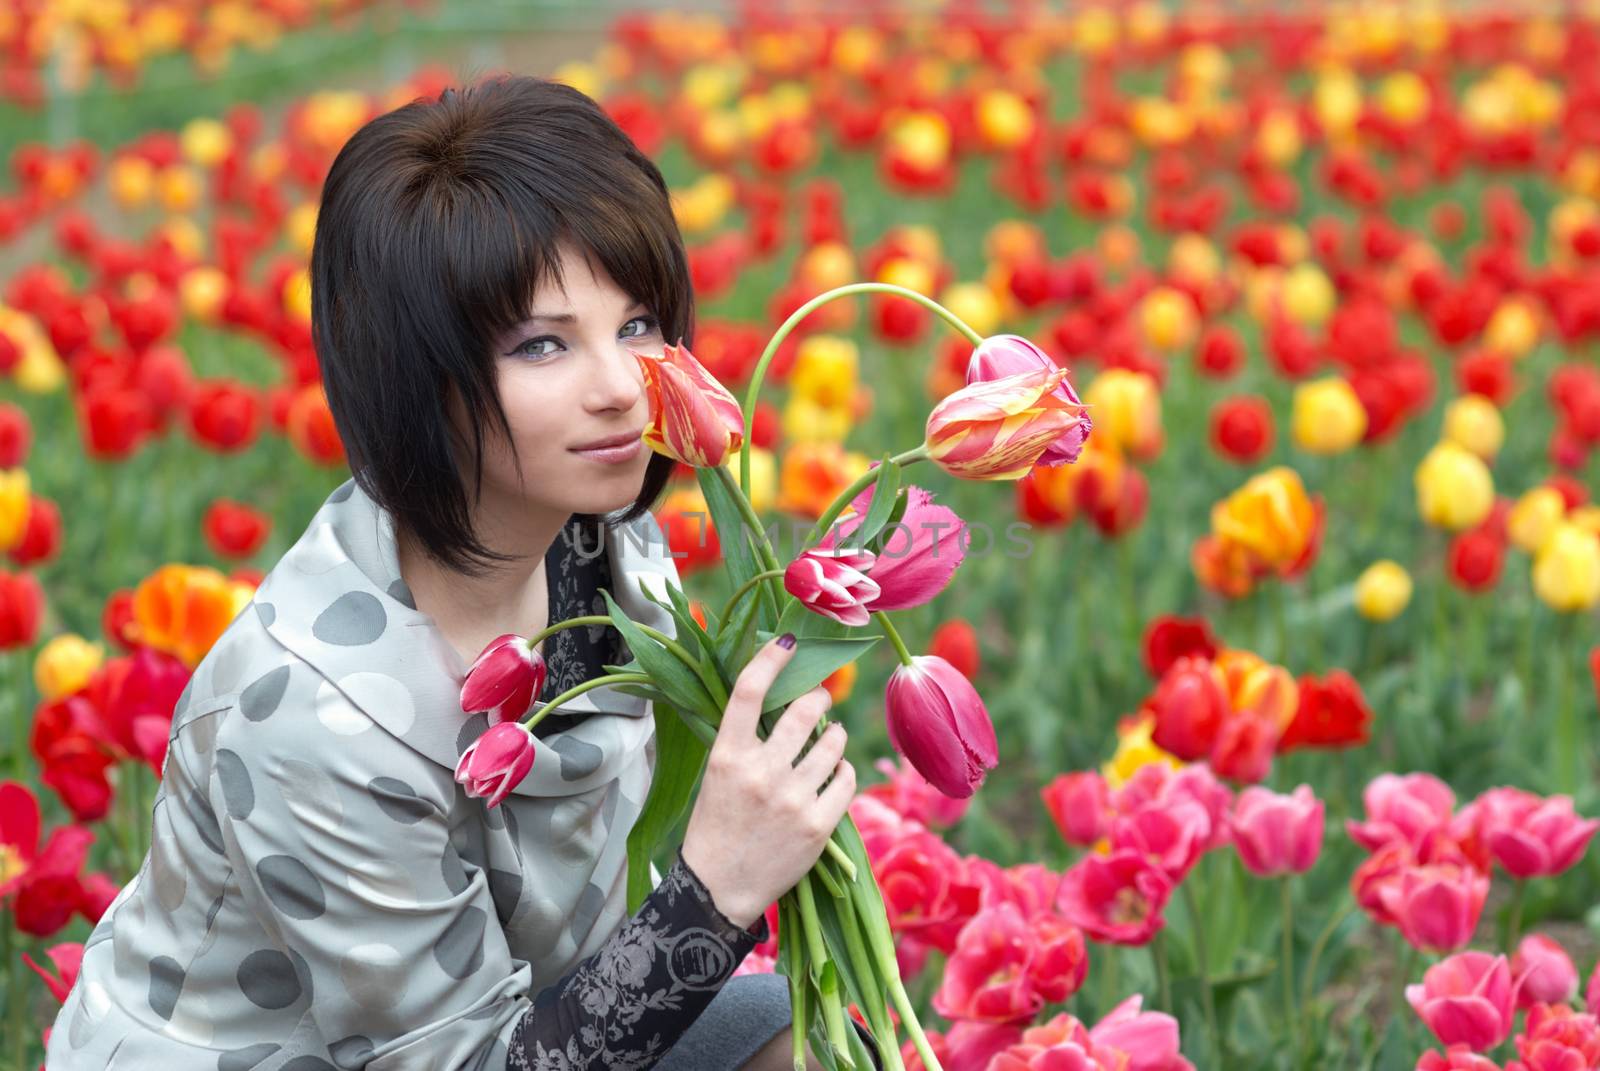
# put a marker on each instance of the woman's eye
(649, 323)
(525, 351)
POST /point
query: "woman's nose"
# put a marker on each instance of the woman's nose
(619, 383)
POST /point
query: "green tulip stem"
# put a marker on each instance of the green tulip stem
(827, 983)
(714, 686)
(747, 586)
(861, 483)
(579, 689)
(894, 636)
(807, 309)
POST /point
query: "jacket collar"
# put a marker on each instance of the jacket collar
(337, 600)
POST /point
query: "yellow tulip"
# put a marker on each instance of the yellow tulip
(804, 421)
(1586, 518)
(179, 188)
(297, 295)
(1566, 572)
(922, 138)
(1513, 329)
(1126, 409)
(201, 291)
(584, 77)
(205, 142)
(1454, 488)
(1382, 591)
(1308, 295)
(1534, 516)
(825, 371)
(65, 664)
(301, 226)
(1403, 97)
(132, 180)
(906, 272)
(1336, 100)
(826, 266)
(15, 489)
(1004, 119)
(1135, 751)
(1278, 137)
(1193, 258)
(1168, 318)
(1327, 417)
(763, 489)
(974, 303)
(1271, 516)
(1473, 422)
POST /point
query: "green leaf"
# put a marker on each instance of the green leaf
(676, 680)
(813, 660)
(732, 534)
(886, 533)
(732, 638)
(680, 757)
(687, 629)
(885, 493)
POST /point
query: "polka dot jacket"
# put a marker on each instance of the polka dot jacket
(319, 892)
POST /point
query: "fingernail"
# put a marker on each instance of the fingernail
(786, 641)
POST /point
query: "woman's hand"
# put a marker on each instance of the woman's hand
(759, 822)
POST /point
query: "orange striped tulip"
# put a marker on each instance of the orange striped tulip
(693, 418)
(998, 430)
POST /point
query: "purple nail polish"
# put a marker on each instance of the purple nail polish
(786, 641)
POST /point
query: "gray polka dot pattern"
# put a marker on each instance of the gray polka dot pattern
(355, 618)
(261, 698)
(310, 847)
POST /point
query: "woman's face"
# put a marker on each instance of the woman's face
(566, 382)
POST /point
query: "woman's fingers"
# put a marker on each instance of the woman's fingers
(835, 799)
(743, 712)
(799, 718)
(824, 755)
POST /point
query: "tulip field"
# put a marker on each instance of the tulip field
(1293, 658)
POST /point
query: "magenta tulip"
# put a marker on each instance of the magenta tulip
(1405, 807)
(503, 679)
(938, 722)
(1171, 834)
(1544, 972)
(1436, 906)
(833, 583)
(1277, 834)
(1148, 1039)
(1117, 898)
(917, 557)
(999, 356)
(1080, 804)
(1531, 836)
(1468, 999)
(493, 764)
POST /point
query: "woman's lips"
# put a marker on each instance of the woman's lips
(612, 455)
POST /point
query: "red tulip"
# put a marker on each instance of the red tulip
(1190, 705)
(1475, 559)
(1277, 834)
(937, 720)
(1467, 999)
(504, 679)
(693, 418)
(1242, 429)
(929, 892)
(41, 533)
(1116, 898)
(956, 641)
(21, 606)
(225, 415)
(16, 435)
(1331, 713)
(1245, 746)
(66, 959)
(234, 530)
(1169, 638)
(1080, 805)
(1005, 967)
(1220, 353)
(493, 764)
(833, 582)
(1544, 972)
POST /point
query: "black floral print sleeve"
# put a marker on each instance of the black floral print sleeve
(622, 1008)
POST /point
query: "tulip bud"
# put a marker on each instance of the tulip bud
(1277, 834)
(1000, 429)
(1009, 355)
(1327, 417)
(833, 582)
(937, 720)
(65, 664)
(1566, 573)
(1544, 972)
(693, 418)
(1473, 422)
(503, 679)
(1383, 591)
(1454, 488)
(496, 762)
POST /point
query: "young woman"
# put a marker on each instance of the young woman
(320, 892)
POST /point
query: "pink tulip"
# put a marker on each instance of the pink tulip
(1456, 1058)
(1005, 968)
(1436, 906)
(503, 679)
(1060, 1044)
(1591, 992)
(1148, 1039)
(998, 429)
(967, 1046)
(938, 722)
(1116, 898)
(1468, 999)
(833, 583)
(1080, 805)
(1537, 837)
(1171, 834)
(1557, 1038)
(493, 764)
(917, 557)
(1544, 972)
(999, 356)
(1277, 834)
(1402, 807)
(909, 793)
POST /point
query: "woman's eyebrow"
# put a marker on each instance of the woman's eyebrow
(567, 317)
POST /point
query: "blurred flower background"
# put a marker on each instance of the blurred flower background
(1294, 673)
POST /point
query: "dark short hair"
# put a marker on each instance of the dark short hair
(439, 220)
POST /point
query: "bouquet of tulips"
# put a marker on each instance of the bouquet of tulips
(1016, 411)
